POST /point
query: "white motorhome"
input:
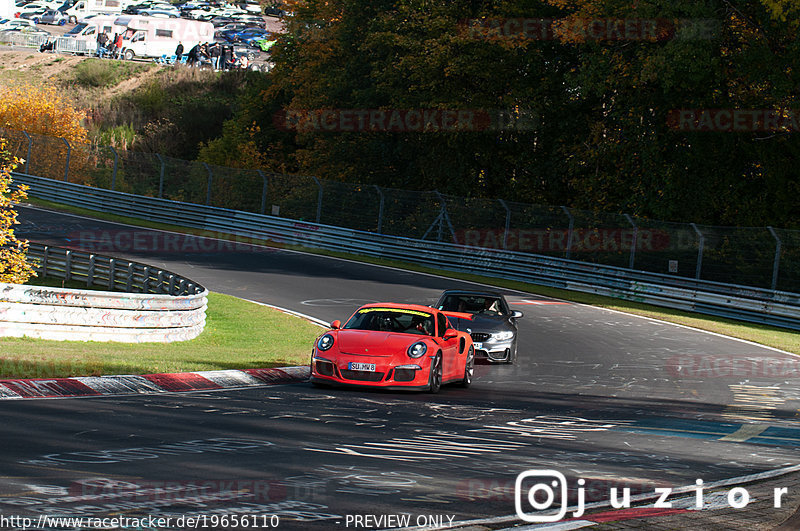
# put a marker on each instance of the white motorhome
(88, 30)
(155, 36)
(83, 8)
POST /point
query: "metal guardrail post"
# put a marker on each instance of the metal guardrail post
(30, 145)
(129, 278)
(319, 199)
(172, 284)
(380, 208)
(161, 176)
(700, 248)
(264, 191)
(146, 283)
(508, 224)
(570, 233)
(90, 271)
(112, 272)
(66, 165)
(116, 164)
(208, 189)
(68, 266)
(633, 240)
(44, 260)
(776, 264)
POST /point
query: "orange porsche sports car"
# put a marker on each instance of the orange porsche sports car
(393, 346)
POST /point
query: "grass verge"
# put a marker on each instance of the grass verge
(766, 335)
(266, 338)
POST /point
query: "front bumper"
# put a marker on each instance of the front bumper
(387, 374)
(494, 351)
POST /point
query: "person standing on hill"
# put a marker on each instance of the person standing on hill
(118, 45)
(214, 51)
(179, 51)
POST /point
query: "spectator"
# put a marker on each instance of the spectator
(203, 55)
(214, 51)
(179, 51)
(194, 53)
(102, 44)
(112, 48)
(118, 45)
(227, 57)
(244, 62)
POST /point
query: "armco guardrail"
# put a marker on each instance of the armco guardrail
(155, 305)
(725, 300)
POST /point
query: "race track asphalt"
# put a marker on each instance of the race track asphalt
(617, 400)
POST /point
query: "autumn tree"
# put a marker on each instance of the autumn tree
(14, 267)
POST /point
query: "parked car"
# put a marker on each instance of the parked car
(486, 316)
(33, 14)
(393, 346)
(16, 24)
(54, 17)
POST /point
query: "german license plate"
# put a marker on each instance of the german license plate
(478, 346)
(369, 367)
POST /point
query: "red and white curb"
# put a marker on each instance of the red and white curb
(149, 383)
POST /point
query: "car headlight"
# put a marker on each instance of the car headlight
(325, 342)
(417, 350)
(503, 336)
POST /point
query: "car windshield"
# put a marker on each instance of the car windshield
(77, 29)
(396, 320)
(474, 304)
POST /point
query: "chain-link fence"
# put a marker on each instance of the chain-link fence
(761, 257)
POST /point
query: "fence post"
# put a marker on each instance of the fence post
(68, 266)
(569, 234)
(208, 189)
(129, 278)
(319, 199)
(777, 262)
(146, 283)
(116, 165)
(90, 272)
(381, 204)
(30, 145)
(66, 165)
(633, 240)
(700, 248)
(263, 191)
(112, 266)
(44, 260)
(508, 224)
(161, 176)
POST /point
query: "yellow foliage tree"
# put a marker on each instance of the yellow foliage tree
(42, 110)
(14, 266)
(48, 116)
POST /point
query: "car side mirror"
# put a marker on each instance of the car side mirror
(516, 314)
(450, 334)
(336, 325)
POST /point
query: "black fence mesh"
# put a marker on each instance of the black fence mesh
(749, 256)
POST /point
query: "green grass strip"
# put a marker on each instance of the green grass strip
(238, 335)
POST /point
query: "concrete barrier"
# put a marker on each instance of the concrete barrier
(88, 315)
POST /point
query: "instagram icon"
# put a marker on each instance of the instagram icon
(535, 494)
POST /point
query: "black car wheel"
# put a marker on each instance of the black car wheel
(469, 368)
(435, 379)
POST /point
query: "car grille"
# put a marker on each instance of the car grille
(480, 336)
(324, 368)
(404, 375)
(362, 376)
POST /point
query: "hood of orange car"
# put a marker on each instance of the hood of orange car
(368, 342)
